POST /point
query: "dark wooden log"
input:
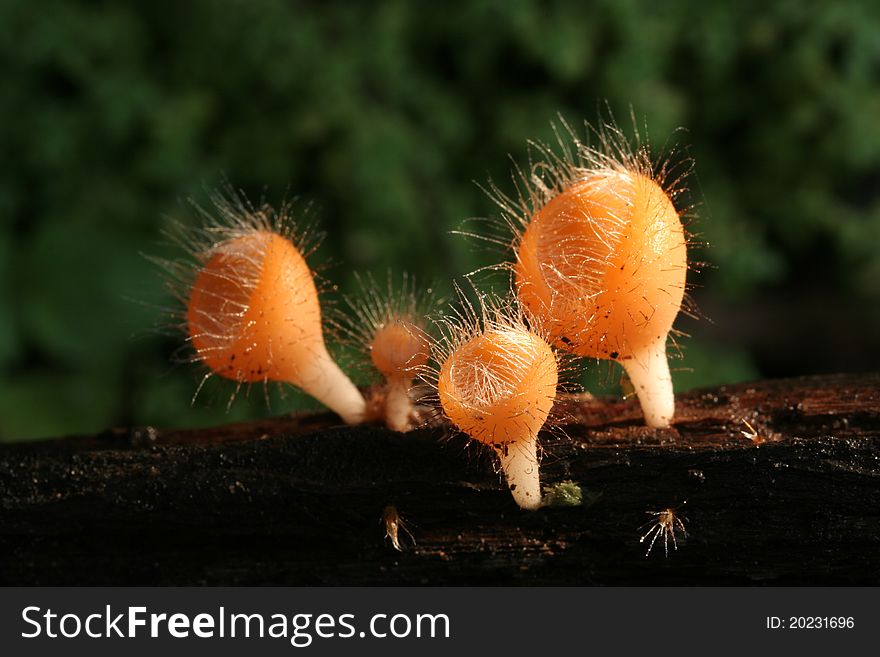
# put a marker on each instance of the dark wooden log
(301, 501)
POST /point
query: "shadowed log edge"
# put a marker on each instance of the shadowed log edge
(300, 500)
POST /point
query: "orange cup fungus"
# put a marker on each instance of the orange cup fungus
(497, 384)
(398, 349)
(601, 264)
(252, 312)
(390, 326)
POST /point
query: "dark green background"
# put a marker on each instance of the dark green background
(383, 115)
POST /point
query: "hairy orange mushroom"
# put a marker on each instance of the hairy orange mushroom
(389, 324)
(601, 262)
(252, 309)
(497, 384)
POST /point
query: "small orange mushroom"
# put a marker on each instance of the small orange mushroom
(398, 349)
(390, 325)
(252, 311)
(497, 384)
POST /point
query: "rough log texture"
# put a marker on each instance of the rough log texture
(300, 501)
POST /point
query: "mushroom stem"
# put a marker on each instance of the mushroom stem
(519, 462)
(329, 385)
(398, 404)
(648, 370)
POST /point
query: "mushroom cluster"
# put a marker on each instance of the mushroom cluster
(598, 269)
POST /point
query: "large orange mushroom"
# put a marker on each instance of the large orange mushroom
(601, 263)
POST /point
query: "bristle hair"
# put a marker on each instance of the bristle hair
(552, 168)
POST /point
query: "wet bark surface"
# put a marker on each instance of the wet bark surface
(303, 501)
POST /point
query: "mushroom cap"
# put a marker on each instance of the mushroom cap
(499, 386)
(602, 265)
(398, 348)
(253, 312)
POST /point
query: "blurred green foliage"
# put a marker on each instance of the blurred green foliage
(383, 114)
